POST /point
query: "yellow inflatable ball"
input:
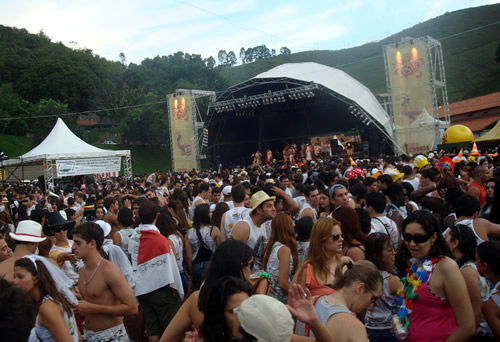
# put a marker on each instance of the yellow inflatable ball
(457, 134)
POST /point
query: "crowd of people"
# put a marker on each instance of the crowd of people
(390, 249)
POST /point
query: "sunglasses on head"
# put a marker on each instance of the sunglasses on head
(335, 237)
(419, 238)
(58, 229)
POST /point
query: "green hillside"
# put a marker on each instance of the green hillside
(469, 40)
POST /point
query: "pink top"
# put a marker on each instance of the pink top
(432, 319)
(316, 288)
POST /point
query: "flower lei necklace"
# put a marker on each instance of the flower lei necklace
(411, 284)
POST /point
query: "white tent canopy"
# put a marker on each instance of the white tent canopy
(61, 144)
(337, 81)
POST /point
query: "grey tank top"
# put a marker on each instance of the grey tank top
(324, 310)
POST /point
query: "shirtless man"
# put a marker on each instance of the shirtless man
(106, 295)
(112, 206)
(28, 235)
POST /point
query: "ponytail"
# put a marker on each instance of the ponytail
(348, 272)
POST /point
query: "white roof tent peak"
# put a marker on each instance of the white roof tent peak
(336, 81)
(62, 143)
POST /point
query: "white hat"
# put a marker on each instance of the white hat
(28, 231)
(105, 226)
(265, 318)
(227, 190)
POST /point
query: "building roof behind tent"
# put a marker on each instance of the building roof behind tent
(62, 143)
(337, 81)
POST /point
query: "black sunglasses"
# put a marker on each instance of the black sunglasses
(420, 238)
(57, 230)
(335, 237)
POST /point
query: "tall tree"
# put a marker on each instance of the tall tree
(285, 51)
(242, 55)
(231, 59)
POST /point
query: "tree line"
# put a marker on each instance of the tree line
(40, 78)
(252, 54)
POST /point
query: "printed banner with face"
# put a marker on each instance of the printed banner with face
(75, 167)
(182, 133)
(409, 77)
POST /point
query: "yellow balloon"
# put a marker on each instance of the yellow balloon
(457, 134)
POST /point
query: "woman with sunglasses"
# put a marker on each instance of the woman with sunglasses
(378, 318)
(317, 272)
(61, 251)
(441, 309)
(462, 242)
(354, 237)
(357, 285)
(231, 258)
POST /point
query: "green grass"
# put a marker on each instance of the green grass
(13, 145)
(145, 159)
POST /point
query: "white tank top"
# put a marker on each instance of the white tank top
(304, 207)
(179, 248)
(273, 269)
(470, 223)
(257, 240)
(232, 216)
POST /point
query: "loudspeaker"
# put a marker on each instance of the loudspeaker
(366, 149)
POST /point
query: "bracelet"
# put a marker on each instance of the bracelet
(265, 275)
(281, 195)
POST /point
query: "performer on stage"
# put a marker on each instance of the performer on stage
(269, 156)
(256, 158)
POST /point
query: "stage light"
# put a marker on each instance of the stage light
(365, 120)
(350, 108)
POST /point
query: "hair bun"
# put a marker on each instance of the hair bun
(349, 265)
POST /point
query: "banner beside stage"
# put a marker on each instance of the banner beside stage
(410, 84)
(182, 133)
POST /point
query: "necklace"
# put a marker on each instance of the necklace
(411, 284)
(86, 282)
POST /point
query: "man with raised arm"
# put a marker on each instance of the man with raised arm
(106, 295)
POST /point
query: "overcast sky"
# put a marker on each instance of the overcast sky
(142, 29)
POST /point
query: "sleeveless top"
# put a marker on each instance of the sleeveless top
(304, 207)
(316, 288)
(43, 334)
(207, 239)
(379, 315)
(483, 329)
(273, 268)
(482, 192)
(70, 268)
(257, 241)
(125, 234)
(432, 318)
(470, 223)
(324, 310)
(232, 216)
(303, 248)
(387, 226)
(179, 248)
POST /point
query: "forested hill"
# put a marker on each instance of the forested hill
(40, 78)
(470, 39)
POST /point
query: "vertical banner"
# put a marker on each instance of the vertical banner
(182, 133)
(410, 84)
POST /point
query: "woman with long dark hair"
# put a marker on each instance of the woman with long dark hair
(231, 258)
(166, 226)
(49, 288)
(325, 206)
(281, 256)
(203, 238)
(176, 209)
(441, 308)
(462, 242)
